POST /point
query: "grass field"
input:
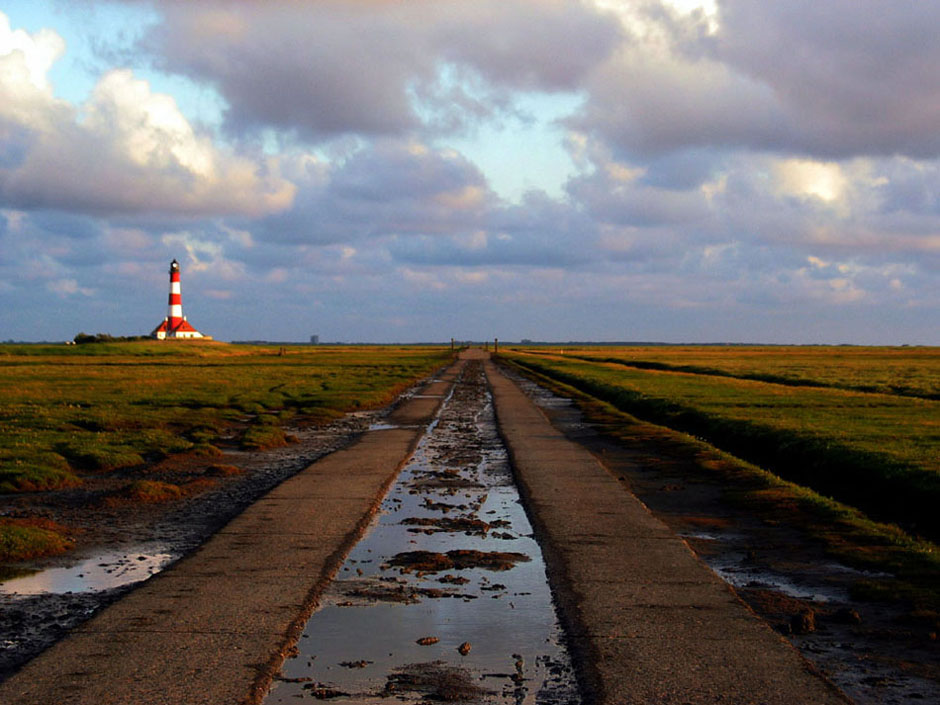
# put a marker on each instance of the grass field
(68, 411)
(908, 371)
(879, 452)
(897, 566)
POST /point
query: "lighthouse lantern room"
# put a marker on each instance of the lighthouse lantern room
(175, 325)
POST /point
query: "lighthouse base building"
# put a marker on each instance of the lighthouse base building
(175, 326)
(182, 330)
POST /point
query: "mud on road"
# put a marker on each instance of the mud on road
(446, 597)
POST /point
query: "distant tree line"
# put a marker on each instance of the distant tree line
(83, 338)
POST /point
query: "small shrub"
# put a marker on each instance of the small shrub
(23, 539)
(224, 471)
(151, 491)
(261, 436)
(91, 454)
(35, 478)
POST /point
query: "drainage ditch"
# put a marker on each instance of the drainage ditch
(446, 597)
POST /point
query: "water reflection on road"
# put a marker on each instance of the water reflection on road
(446, 597)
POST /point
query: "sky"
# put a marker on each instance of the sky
(693, 171)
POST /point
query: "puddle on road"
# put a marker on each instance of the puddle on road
(101, 572)
(446, 597)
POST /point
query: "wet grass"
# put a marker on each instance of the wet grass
(877, 452)
(911, 564)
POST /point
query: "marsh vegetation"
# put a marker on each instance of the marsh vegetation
(71, 416)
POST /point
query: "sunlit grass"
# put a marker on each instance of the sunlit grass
(910, 371)
(22, 539)
(878, 452)
(69, 411)
(846, 533)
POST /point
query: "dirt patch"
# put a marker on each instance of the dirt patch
(471, 527)
(434, 681)
(445, 507)
(323, 692)
(391, 590)
(447, 479)
(431, 562)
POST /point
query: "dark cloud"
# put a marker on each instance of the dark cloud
(329, 68)
(828, 79)
(634, 203)
(855, 76)
(539, 232)
(386, 188)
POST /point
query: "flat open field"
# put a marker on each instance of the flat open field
(812, 424)
(70, 414)
(910, 371)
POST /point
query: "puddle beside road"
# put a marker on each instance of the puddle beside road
(104, 571)
(446, 597)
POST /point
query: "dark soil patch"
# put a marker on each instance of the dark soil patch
(435, 681)
(430, 562)
(388, 591)
(471, 527)
(444, 479)
(442, 506)
(323, 692)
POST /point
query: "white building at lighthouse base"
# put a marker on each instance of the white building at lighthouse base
(182, 330)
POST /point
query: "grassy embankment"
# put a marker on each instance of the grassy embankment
(838, 458)
(67, 412)
(906, 371)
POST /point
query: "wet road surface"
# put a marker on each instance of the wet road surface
(446, 596)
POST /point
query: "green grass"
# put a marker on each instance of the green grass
(846, 533)
(66, 411)
(151, 491)
(21, 540)
(877, 452)
(907, 371)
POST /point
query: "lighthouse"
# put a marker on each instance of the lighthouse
(175, 325)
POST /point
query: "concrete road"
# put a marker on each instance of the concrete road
(648, 622)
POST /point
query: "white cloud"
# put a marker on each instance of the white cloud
(147, 127)
(127, 149)
(804, 177)
(68, 287)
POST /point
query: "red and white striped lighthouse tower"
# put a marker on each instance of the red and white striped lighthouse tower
(175, 325)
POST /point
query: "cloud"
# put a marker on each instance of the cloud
(126, 150)
(829, 80)
(333, 68)
(752, 172)
(388, 187)
(855, 76)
